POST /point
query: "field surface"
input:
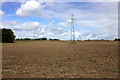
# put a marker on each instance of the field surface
(58, 59)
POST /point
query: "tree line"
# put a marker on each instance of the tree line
(37, 39)
(9, 37)
(116, 39)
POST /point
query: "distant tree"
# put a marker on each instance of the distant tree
(17, 39)
(44, 38)
(116, 39)
(21, 39)
(88, 40)
(37, 39)
(7, 35)
(50, 39)
(27, 39)
(78, 40)
(56, 39)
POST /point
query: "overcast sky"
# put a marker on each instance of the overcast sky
(36, 19)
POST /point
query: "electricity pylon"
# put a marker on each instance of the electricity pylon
(72, 29)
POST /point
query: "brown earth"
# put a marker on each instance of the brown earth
(57, 59)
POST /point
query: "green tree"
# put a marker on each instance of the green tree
(7, 35)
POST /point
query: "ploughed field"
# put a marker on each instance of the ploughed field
(58, 59)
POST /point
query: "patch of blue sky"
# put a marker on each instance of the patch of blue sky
(81, 5)
(10, 7)
(25, 19)
(34, 19)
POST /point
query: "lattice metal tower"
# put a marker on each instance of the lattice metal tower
(72, 29)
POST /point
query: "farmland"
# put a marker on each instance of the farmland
(60, 59)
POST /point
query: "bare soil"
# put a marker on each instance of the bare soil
(60, 59)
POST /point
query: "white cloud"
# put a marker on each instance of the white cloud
(95, 17)
(33, 29)
(37, 30)
(1, 13)
(29, 7)
(63, 24)
(101, 25)
(20, 26)
(64, 34)
(65, 0)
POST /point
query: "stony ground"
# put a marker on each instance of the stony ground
(57, 59)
